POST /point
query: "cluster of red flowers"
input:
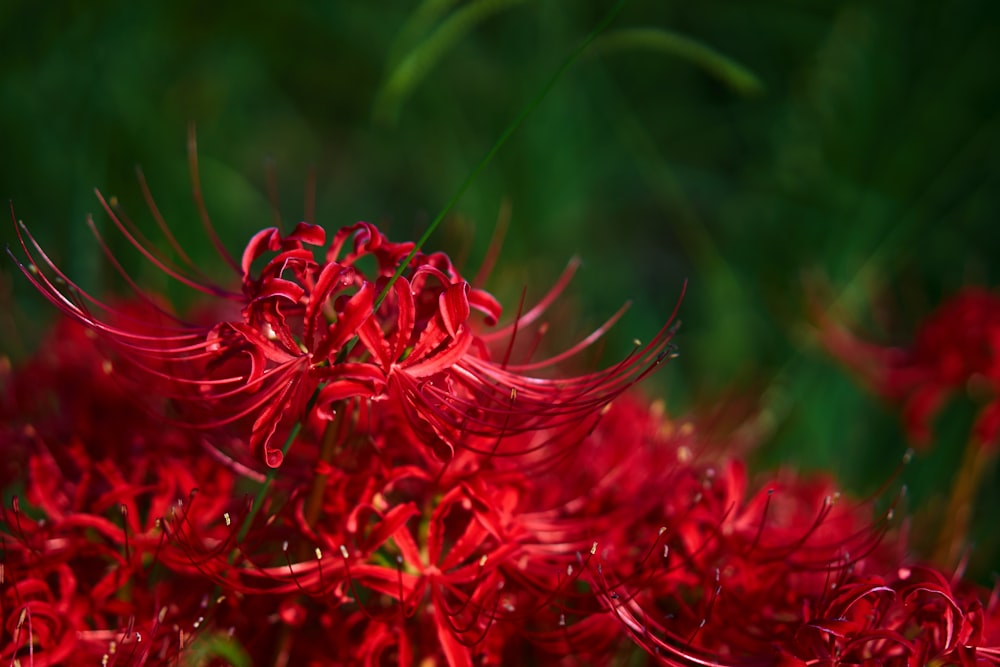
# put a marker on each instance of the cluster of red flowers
(348, 461)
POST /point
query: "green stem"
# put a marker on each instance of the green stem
(272, 473)
(958, 515)
(266, 486)
(332, 436)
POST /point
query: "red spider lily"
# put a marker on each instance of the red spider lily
(314, 333)
(956, 347)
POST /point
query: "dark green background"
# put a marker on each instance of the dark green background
(868, 159)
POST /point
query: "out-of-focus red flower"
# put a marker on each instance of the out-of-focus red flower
(957, 348)
(717, 571)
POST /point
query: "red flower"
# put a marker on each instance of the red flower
(313, 333)
(956, 348)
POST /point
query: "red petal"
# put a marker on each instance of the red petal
(393, 522)
(454, 305)
(335, 392)
(357, 309)
(307, 233)
(487, 304)
(261, 242)
(404, 318)
(455, 652)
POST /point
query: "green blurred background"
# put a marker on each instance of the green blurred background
(753, 149)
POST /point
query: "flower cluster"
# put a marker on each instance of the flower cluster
(348, 460)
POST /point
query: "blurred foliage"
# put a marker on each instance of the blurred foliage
(741, 146)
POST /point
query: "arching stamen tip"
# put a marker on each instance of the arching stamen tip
(908, 455)
(593, 548)
(229, 521)
(319, 553)
(343, 552)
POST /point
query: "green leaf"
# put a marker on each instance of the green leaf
(728, 71)
(213, 647)
(412, 68)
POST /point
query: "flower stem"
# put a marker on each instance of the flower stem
(271, 474)
(327, 448)
(955, 523)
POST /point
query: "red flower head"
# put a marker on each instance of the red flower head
(315, 331)
(956, 347)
